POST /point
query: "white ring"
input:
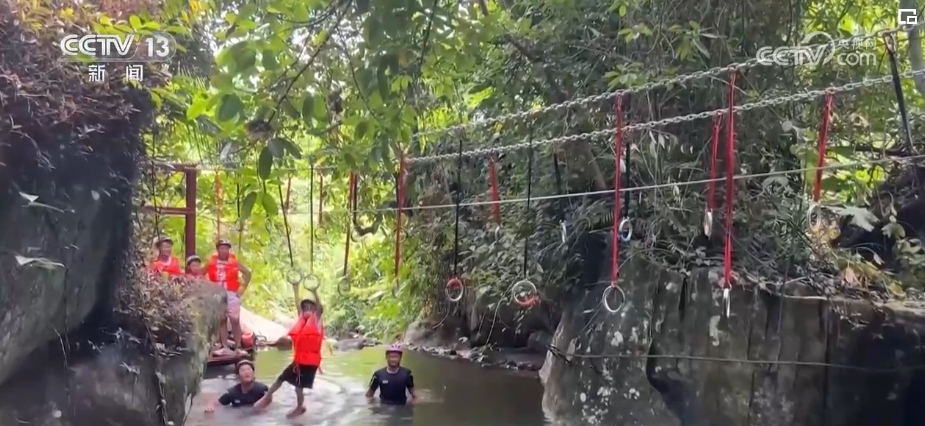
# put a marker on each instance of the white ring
(344, 285)
(727, 302)
(530, 289)
(497, 232)
(626, 230)
(295, 276)
(606, 303)
(708, 223)
(814, 207)
(564, 231)
(462, 290)
(309, 279)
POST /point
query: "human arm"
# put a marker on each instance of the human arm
(373, 386)
(410, 386)
(225, 399)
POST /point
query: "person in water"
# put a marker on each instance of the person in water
(194, 267)
(393, 380)
(165, 264)
(224, 270)
(307, 339)
(244, 394)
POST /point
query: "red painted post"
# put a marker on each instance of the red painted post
(190, 225)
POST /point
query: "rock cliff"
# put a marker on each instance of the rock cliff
(784, 356)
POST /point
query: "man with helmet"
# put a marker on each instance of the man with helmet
(246, 393)
(393, 380)
(224, 270)
(194, 267)
(165, 263)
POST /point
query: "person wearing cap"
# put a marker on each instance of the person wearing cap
(244, 394)
(307, 340)
(393, 380)
(224, 270)
(194, 267)
(165, 263)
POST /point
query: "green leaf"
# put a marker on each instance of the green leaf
(280, 146)
(247, 206)
(308, 108)
(361, 130)
(197, 108)
(135, 22)
(268, 59)
(269, 204)
(265, 163)
(245, 58)
(230, 107)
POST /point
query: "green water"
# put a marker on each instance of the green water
(452, 393)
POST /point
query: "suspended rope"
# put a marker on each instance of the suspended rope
(320, 197)
(711, 187)
(344, 285)
(237, 189)
(219, 202)
(311, 225)
(822, 147)
(626, 232)
(560, 211)
(617, 225)
(730, 194)
(495, 192)
(525, 293)
(400, 198)
(454, 287)
(890, 39)
(294, 276)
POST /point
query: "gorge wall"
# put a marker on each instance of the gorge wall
(672, 359)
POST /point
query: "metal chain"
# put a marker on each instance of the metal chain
(679, 80)
(673, 120)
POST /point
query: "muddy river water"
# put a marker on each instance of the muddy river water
(452, 393)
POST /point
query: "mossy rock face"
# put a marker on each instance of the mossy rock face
(120, 382)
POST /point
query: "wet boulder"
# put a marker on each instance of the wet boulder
(784, 356)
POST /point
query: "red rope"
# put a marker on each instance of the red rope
(218, 202)
(730, 172)
(823, 142)
(350, 208)
(401, 205)
(618, 154)
(711, 197)
(288, 193)
(320, 197)
(495, 196)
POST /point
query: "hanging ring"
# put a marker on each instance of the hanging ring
(311, 282)
(343, 287)
(525, 293)
(621, 299)
(564, 231)
(454, 290)
(708, 223)
(626, 230)
(497, 233)
(815, 209)
(727, 302)
(295, 277)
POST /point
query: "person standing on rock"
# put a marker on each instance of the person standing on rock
(393, 380)
(244, 394)
(224, 270)
(165, 264)
(307, 339)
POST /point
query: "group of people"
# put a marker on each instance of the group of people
(223, 270)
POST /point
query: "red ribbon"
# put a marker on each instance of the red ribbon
(495, 196)
(711, 196)
(401, 205)
(618, 154)
(350, 207)
(823, 142)
(730, 173)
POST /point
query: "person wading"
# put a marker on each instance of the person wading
(393, 380)
(244, 394)
(224, 270)
(165, 264)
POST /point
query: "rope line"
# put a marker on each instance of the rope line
(458, 209)
(528, 213)
(730, 187)
(677, 119)
(822, 145)
(351, 206)
(495, 193)
(667, 82)
(618, 150)
(219, 200)
(714, 153)
(400, 197)
(311, 219)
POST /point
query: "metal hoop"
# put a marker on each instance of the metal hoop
(564, 231)
(308, 279)
(814, 208)
(727, 302)
(295, 277)
(708, 223)
(606, 296)
(524, 293)
(497, 232)
(626, 230)
(454, 283)
(344, 285)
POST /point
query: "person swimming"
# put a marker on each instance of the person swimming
(246, 393)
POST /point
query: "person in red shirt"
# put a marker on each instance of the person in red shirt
(307, 339)
(224, 270)
(194, 267)
(165, 262)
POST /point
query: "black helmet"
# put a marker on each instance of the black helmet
(223, 242)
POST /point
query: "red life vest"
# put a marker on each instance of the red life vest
(307, 336)
(231, 283)
(171, 266)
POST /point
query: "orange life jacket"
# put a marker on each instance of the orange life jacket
(307, 336)
(171, 266)
(231, 283)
